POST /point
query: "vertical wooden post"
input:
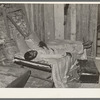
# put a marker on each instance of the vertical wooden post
(73, 22)
(59, 21)
(32, 18)
(27, 20)
(27, 10)
(31, 13)
(41, 22)
(85, 22)
(93, 27)
(67, 27)
(6, 24)
(36, 21)
(78, 22)
(49, 22)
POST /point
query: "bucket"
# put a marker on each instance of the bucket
(10, 49)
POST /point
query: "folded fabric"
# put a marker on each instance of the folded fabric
(60, 62)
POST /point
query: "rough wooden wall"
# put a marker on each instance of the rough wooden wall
(86, 20)
(81, 23)
(48, 22)
(32, 21)
(59, 21)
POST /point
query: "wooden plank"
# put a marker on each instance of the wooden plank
(32, 18)
(30, 13)
(59, 21)
(36, 21)
(41, 22)
(32, 21)
(6, 24)
(26, 16)
(9, 73)
(85, 22)
(10, 10)
(27, 11)
(78, 22)
(93, 26)
(73, 22)
(26, 20)
(67, 27)
(98, 13)
(94, 15)
(49, 22)
(82, 20)
(17, 27)
(85, 25)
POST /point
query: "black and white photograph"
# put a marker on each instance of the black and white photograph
(49, 45)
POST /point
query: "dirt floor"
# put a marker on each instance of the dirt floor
(35, 80)
(38, 83)
(39, 79)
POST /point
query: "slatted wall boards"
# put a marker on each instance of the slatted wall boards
(52, 21)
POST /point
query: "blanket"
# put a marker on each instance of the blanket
(60, 61)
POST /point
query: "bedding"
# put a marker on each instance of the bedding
(56, 56)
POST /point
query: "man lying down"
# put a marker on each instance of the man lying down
(62, 55)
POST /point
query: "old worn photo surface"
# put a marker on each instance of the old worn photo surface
(49, 45)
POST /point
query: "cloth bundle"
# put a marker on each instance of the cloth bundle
(60, 61)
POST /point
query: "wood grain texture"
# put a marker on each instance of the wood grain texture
(85, 22)
(59, 21)
(93, 26)
(27, 11)
(67, 27)
(30, 12)
(6, 24)
(41, 22)
(73, 22)
(49, 22)
(36, 19)
(78, 23)
(29, 19)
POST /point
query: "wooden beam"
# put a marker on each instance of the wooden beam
(10, 10)
(85, 22)
(41, 22)
(31, 12)
(49, 22)
(28, 26)
(82, 22)
(78, 22)
(17, 27)
(67, 27)
(93, 26)
(28, 11)
(73, 22)
(6, 24)
(59, 21)
(36, 21)
(32, 18)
